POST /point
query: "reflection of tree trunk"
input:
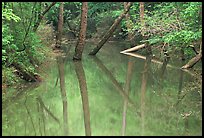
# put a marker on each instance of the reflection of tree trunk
(63, 93)
(31, 119)
(110, 31)
(83, 88)
(143, 91)
(164, 65)
(43, 118)
(180, 85)
(60, 26)
(38, 108)
(186, 126)
(47, 110)
(127, 89)
(19, 95)
(115, 83)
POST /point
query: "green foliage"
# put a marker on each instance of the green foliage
(71, 11)
(8, 76)
(176, 24)
(20, 44)
(7, 14)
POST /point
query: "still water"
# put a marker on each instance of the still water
(107, 94)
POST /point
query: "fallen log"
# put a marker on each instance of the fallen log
(192, 62)
(133, 49)
(159, 62)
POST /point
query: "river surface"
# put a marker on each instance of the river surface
(107, 94)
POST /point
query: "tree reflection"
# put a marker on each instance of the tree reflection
(127, 89)
(84, 95)
(143, 91)
(116, 84)
(63, 93)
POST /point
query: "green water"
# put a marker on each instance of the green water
(122, 95)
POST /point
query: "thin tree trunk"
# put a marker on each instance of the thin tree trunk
(142, 18)
(128, 24)
(82, 36)
(142, 22)
(109, 33)
(84, 94)
(60, 26)
(40, 17)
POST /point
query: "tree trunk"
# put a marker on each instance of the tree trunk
(128, 23)
(82, 36)
(142, 22)
(142, 18)
(193, 61)
(40, 17)
(109, 33)
(60, 26)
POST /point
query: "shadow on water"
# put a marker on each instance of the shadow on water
(124, 96)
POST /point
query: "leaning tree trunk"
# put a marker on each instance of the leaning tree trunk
(60, 26)
(82, 36)
(110, 31)
(193, 61)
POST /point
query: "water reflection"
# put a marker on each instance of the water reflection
(101, 105)
(84, 95)
(61, 66)
(143, 91)
(115, 83)
(127, 89)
